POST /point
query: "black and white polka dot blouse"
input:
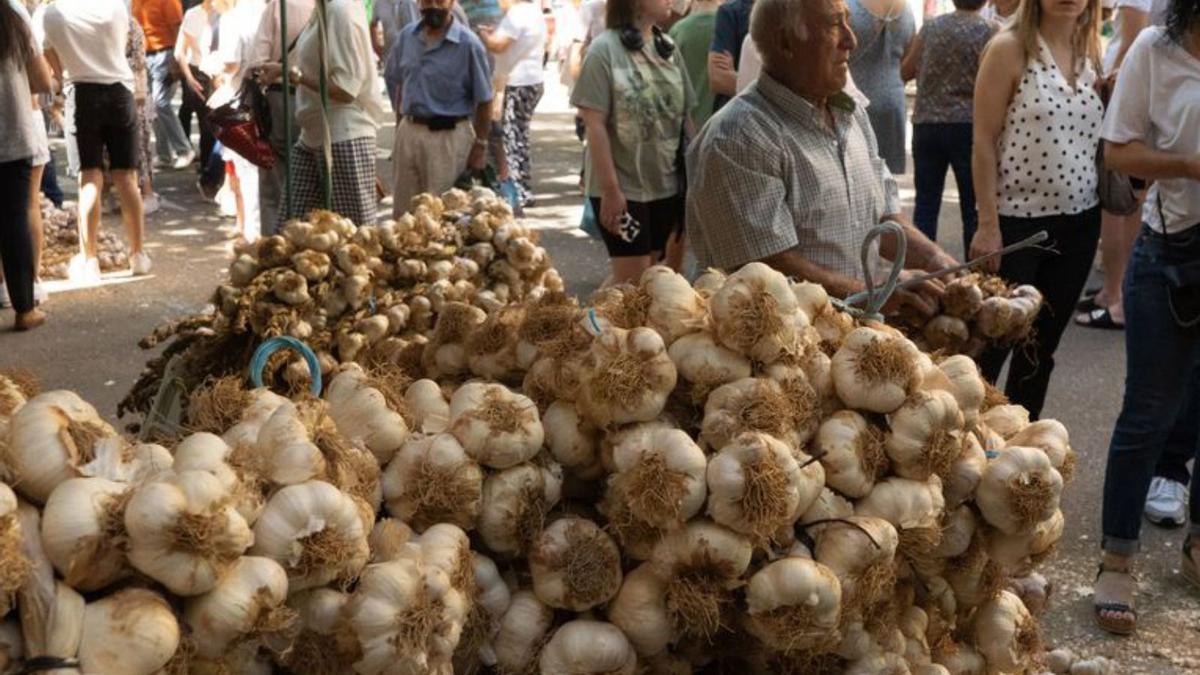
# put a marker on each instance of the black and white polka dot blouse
(1048, 145)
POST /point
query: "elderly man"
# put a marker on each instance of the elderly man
(439, 71)
(788, 173)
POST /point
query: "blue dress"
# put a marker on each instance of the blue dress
(875, 66)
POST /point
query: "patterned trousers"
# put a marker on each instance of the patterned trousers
(353, 181)
(519, 104)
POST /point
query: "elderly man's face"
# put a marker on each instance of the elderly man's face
(435, 4)
(825, 57)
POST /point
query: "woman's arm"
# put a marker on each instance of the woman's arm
(1132, 22)
(495, 43)
(999, 70)
(912, 59)
(189, 47)
(612, 201)
(1138, 159)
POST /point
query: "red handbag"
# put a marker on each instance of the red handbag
(243, 125)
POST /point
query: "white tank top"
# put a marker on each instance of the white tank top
(1048, 145)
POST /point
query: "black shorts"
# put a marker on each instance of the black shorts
(105, 118)
(1137, 183)
(659, 220)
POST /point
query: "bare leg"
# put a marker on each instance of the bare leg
(628, 269)
(35, 216)
(676, 246)
(235, 186)
(131, 207)
(91, 186)
(1118, 234)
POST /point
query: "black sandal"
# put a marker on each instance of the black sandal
(1098, 318)
(1190, 567)
(1087, 302)
(1109, 624)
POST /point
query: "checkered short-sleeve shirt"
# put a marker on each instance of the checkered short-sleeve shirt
(766, 175)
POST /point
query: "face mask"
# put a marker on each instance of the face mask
(435, 17)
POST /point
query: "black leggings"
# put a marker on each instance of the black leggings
(16, 242)
(1059, 268)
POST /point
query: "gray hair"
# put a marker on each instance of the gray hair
(774, 23)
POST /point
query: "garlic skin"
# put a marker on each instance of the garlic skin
(515, 503)
(81, 526)
(754, 313)
(583, 647)
(326, 643)
(1005, 420)
(575, 565)
(794, 603)
(430, 411)
(132, 631)
(1052, 438)
(861, 551)
(315, 532)
(965, 383)
(119, 461)
(966, 472)
(675, 308)
(875, 371)
(50, 437)
(362, 415)
(407, 617)
(914, 508)
(1019, 489)
(851, 450)
(573, 442)
(207, 452)
(926, 435)
(1003, 630)
(749, 404)
(11, 645)
(183, 533)
(640, 610)
(704, 364)
(13, 550)
(750, 466)
(263, 403)
(246, 600)
(288, 454)
(497, 427)
(522, 628)
(626, 377)
(432, 480)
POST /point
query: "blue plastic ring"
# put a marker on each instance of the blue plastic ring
(258, 362)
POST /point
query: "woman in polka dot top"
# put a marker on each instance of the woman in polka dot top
(1037, 125)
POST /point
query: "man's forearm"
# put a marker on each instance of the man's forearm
(793, 263)
(920, 252)
(483, 120)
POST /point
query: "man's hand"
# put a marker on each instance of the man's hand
(268, 73)
(477, 160)
(987, 240)
(194, 85)
(722, 60)
(612, 205)
(1194, 166)
(924, 298)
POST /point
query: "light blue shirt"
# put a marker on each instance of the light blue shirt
(449, 78)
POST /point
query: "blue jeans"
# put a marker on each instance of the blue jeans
(50, 186)
(1162, 370)
(169, 139)
(935, 148)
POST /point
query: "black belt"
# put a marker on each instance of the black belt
(152, 52)
(277, 87)
(436, 123)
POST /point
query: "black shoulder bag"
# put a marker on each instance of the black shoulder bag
(1183, 281)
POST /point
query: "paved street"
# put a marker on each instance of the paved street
(89, 345)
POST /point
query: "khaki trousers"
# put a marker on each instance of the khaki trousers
(428, 161)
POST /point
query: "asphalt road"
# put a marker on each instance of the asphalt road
(89, 345)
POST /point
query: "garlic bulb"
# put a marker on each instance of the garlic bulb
(583, 647)
(50, 437)
(1052, 438)
(966, 472)
(1006, 634)
(497, 427)
(1006, 420)
(861, 551)
(1014, 552)
(965, 383)
(522, 632)
(754, 313)
(183, 532)
(430, 411)
(11, 400)
(132, 631)
(515, 504)
(262, 404)
(326, 643)
(291, 289)
(640, 610)
(959, 659)
(206, 452)
(926, 435)
(828, 506)
(288, 455)
(15, 565)
(875, 371)
(658, 485)
(626, 377)
(407, 616)
(246, 604)
(963, 297)
(492, 347)
(83, 531)
(447, 548)
(1019, 489)
(389, 540)
(675, 308)
(749, 404)
(851, 450)
(756, 485)
(362, 415)
(913, 507)
(446, 354)
(432, 480)
(794, 604)
(947, 333)
(315, 532)
(709, 282)
(572, 441)
(699, 566)
(492, 600)
(575, 565)
(704, 364)
(117, 460)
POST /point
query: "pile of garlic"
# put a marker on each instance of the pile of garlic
(674, 478)
(61, 241)
(977, 310)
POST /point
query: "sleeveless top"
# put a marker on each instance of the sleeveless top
(875, 67)
(952, 46)
(1048, 145)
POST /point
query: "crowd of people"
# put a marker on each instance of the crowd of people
(748, 130)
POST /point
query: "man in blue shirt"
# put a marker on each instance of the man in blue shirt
(733, 23)
(439, 71)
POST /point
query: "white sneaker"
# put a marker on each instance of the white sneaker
(40, 294)
(150, 204)
(5, 302)
(1166, 504)
(140, 264)
(184, 161)
(83, 270)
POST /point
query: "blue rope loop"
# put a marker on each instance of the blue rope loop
(874, 297)
(258, 363)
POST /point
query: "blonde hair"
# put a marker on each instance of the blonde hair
(1086, 41)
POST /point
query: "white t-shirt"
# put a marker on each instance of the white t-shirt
(18, 135)
(1157, 102)
(1157, 11)
(197, 24)
(238, 29)
(351, 64)
(89, 37)
(522, 60)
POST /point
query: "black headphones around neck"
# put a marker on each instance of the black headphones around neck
(631, 39)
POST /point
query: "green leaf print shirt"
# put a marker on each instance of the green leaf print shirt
(644, 98)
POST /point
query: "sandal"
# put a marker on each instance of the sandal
(1087, 302)
(1121, 583)
(1190, 567)
(1098, 318)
